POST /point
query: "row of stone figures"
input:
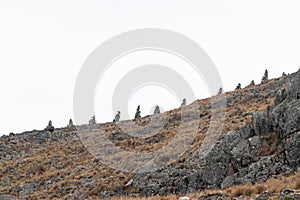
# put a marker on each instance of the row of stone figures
(137, 115)
(264, 79)
(70, 126)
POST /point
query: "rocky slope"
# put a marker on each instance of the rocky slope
(259, 140)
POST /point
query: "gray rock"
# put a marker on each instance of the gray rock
(241, 153)
(294, 90)
(247, 132)
(260, 170)
(230, 140)
(261, 123)
(255, 143)
(280, 96)
(257, 172)
(293, 151)
(286, 118)
(263, 196)
(286, 114)
(229, 181)
(7, 197)
(289, 194)
(27, 189)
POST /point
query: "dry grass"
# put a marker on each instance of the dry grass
(272, 186)
(269, 146)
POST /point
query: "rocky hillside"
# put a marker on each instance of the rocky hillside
(259, 139)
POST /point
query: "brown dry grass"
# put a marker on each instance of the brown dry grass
(272, 186)
(269, 146)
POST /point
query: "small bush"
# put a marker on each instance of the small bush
(248, 191)
(260, 189)
(236, 192)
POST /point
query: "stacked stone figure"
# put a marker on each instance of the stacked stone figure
(71, 125)
(252, 83)
(156, 110)
(183, 102)
(138, 113)
(92, 120)
(265, 78)
(117, 117)
(220, 90)
(50, 127)
(238, 87)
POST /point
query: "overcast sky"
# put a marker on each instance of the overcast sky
(43, 45)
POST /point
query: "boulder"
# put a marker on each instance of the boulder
(293, 151)
(286, 118)
(280, 96)
(247, 132)
(261, 123)
(289, 194)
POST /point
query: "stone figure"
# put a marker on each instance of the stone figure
(117, 117)
(50, 127)
(138, 113)
(156, 110)
(92, 120)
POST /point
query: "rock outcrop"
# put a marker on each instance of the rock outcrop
(238, 158)
(260, 139)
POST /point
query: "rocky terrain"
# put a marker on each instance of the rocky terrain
(259, 141)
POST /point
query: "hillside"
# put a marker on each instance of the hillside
(247, 136)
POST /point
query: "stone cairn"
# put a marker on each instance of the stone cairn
(117, 117)
(265, 78)
(71, 125)
(50, 127)
(92, 120)
(183, 102)
(252, 83)
(238, 87)
(220, 90)
(137, 113)
(156, 110)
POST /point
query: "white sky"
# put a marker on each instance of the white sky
(44, 43)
